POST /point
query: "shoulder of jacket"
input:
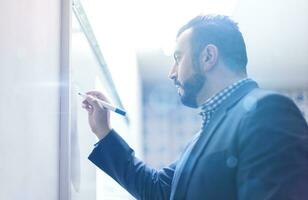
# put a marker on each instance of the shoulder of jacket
(258, 95)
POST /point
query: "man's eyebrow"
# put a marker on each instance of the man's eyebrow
(176, 53)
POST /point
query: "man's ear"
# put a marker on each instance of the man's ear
(209, 57)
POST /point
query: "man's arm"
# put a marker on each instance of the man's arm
(116, 158)
(113, 155)
(273, 152)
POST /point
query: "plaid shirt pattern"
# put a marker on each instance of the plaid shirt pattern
(211, 105)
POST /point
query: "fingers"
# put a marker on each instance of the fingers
(98, 95)
(92, 102)
(87, 106)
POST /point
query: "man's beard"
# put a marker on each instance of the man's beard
(191, 87)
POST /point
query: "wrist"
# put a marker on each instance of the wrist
(103, 133)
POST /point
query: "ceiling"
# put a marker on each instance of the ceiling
(276, 35)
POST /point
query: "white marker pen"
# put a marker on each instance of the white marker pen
(105, 104)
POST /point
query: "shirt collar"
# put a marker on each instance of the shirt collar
(211, 104)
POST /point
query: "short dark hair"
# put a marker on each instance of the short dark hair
(222, 32)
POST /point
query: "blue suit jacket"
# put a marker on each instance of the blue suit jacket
(254, 148)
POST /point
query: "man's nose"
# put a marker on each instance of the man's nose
(173, 72)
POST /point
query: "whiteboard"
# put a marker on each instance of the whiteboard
(87, 74)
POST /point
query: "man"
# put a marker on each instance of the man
(253, 144)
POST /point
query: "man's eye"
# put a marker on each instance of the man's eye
(177, 59)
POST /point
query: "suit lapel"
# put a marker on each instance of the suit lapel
(205, 137)
(179, 187)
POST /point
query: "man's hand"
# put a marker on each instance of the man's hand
(99, 117)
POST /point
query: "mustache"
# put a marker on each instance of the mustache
(177, 83)
(196, 79)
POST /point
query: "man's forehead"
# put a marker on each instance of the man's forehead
(183, 41)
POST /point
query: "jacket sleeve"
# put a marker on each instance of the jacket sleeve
(113, 155)
(273, 152)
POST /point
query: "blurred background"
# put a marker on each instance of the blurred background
(50, 50)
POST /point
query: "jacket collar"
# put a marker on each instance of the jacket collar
(212, 104)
